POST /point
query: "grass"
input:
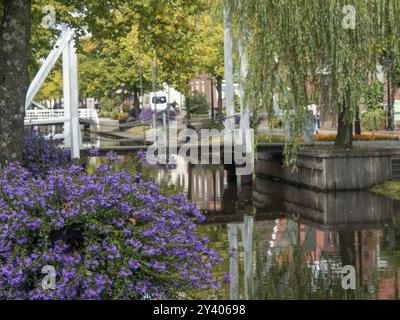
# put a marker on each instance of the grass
(267, 138)
(199, 116)
(390, 189)
(262, 137)
(137, 131)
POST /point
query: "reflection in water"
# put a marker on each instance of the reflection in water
(283, 242)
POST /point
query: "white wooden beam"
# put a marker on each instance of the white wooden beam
(46, 121)
(74, 101)
(66, 93)
(45, 69)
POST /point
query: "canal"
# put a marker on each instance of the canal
(283, 242)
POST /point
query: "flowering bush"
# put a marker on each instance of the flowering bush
(147, 114)
(41, 155)
(110, 235)
(356, 137)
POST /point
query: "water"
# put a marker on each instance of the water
(283, 242)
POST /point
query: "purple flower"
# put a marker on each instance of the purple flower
(109, 235)
(226, 277)
(142, 154)
(133, 264)
(94, 151)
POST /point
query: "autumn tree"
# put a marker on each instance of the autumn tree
(211, 46)
(164, 25)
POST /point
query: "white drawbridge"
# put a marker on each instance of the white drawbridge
(54, 116)
(69, 116)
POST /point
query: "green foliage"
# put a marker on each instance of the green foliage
(198, 103)
(276, 122)
(108, 104)
(392, 250)
(290, 43)
(374, 96)
(375, 117)
(125, 36)
(211, 44)
(1, 9)
(390, 189)
(212, 124)
(373, 120)
(52, 87)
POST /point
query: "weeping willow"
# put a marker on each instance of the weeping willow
(291, 44)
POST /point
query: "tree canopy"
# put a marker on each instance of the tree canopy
(291, 43)
(122, 44)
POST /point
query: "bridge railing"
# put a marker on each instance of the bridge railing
(43, 114)
(50, 116)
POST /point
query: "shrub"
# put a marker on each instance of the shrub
(356, 137)
(108, 104)
(374, 96)
(198, 103)
(126, 107)
(40, 156)
(110, 235)
(373, 120)
(115, 115)
(105, 114)
(122, 116)
(276, 122)
(147, 115)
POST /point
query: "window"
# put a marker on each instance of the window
(159, 100)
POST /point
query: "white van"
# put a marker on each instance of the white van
(155, 100)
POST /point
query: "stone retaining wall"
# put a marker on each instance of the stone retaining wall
(327, 170)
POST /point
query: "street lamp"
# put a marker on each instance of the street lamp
(387, 62)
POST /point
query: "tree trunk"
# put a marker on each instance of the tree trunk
(136, 102)
(344, 138)
(188, 102)
(15, 30)
(219, 90)
(188, 95)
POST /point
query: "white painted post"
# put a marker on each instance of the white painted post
(233, 260)
(71, 98)
(165, 135)
(74, 102)
(229, 89)
(247, 239)
(65, 46)
(244, 108)
(66, 92)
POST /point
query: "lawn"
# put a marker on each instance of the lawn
(390, 189)
(137, 131)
